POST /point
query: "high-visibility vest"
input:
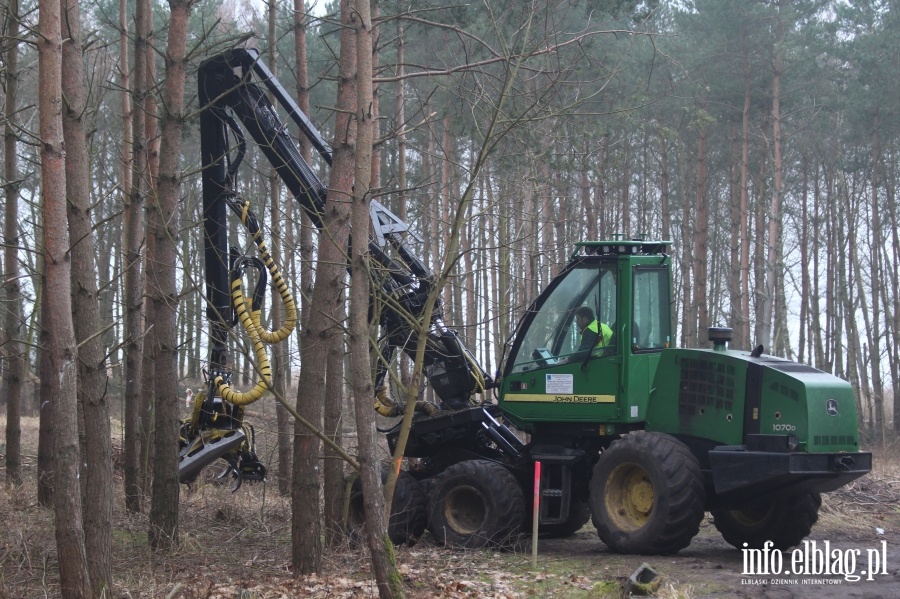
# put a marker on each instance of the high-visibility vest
(604, 334)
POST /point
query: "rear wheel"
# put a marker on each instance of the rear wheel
(408, 515)
(647, 495)
(783, 520)
(475, 503)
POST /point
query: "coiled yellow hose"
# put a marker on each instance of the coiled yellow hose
(290, 307)
(264, 368)
(251, 319)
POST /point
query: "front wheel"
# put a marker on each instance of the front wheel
(475, 503)
(785, 521)
(647, 495)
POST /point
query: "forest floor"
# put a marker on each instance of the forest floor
(237, 546)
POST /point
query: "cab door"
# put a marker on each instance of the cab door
(543, 380)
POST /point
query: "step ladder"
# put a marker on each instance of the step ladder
(556, 487)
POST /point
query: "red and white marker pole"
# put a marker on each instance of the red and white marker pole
(536, 513)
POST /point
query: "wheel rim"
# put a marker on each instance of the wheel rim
(629, 497)
(754, 515)
(465, 510)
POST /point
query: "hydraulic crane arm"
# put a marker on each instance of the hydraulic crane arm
(232, 90)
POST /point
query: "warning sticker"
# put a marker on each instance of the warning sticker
(559, 383)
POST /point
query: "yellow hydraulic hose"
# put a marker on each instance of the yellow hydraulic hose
(290, 307)
(251, 319)
(480, 385)
(385, 405)
(264, 368)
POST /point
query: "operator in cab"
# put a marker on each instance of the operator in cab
(595, 336)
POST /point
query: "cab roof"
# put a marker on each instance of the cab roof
(621, 247)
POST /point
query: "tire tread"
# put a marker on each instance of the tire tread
(684, 495)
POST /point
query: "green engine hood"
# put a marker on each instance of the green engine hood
(726, 396)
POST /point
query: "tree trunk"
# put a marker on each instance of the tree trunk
(107, 270)
(133, 241)
(376, 102)
(664, 203)
(309, 408)
(504, 277)
(874, 331)
(73, 573)
(546, 217)
(150, 261)
(773, 240)
(334, 423)
(626, 187)
(443, 215)
(401, 125)
(45, 482)
(744, 323)
(163, 530)
(816, 324)
(781, 342)
(97, 487)
(701, 243)
(836, 228)
(893, 313)
(467, 281)
(127, 161)
(485, 256)
(759, 234)
(603, 226)
(688, 326)
(15, 349)
(431, 206)
(404, 366)
(561, 201)
(276, 217)
(147, 406)
(383, 565)
(305, 536)
(734, 247)
(802, 354)
(532, 251)
(323, 325)
(587, 207)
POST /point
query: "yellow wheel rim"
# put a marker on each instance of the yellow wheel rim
(754, 515)
(465, 510)
(629, 497)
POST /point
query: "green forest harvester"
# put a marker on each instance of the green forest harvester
(638, 436)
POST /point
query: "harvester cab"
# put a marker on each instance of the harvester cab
(550, 380)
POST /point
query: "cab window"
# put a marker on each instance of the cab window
(552, 333)
(651, 329)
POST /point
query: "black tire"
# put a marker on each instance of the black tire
(427, 484)
(647, 495)
(475, 503)
(579, 515)
(783, 520)
(408, 510)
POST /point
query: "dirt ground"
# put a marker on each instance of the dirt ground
(237, 546)
(710, 567)
(862, 517)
